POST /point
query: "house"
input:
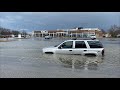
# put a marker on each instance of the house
(118, 35)
(107, 35)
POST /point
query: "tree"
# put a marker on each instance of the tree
(8, 32)
(24, 33)
(103, 31)
(114, 30)
(4, 31)
(15, 32)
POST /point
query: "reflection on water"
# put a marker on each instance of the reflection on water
(77, 61)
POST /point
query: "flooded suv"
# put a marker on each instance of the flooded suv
(83, 47)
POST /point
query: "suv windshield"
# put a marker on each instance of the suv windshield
(56, 45)
(95, 44)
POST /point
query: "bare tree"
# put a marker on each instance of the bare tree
(4, 32)
(114, 30)
(103, 31)
(14, 32)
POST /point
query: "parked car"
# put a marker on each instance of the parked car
(93, 36)
(83, 47)
(48, 37)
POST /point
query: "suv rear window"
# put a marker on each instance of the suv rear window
(95, 44)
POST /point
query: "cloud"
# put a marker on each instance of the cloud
(53, 20)
(2, 20)
(10, 19)
(23, 29)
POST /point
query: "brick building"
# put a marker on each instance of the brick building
(78, 32)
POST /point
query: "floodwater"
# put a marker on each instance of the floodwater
(23, 58)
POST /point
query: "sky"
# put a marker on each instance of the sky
(30, 21)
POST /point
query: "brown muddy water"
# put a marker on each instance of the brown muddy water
(23, 58)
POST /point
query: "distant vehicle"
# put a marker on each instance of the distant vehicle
(83, 47)
(93, 36)
(20, 36)
(48, 37)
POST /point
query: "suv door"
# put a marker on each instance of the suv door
(65, 48)
(80, 47)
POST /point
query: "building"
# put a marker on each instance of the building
(77, 32)
(53, 33)
(86, 32)
(118, 35)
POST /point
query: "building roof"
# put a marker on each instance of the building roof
(91, 29)
(54, 31)
(79, 30)
(37, 31)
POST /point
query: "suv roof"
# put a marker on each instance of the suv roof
(83, 40)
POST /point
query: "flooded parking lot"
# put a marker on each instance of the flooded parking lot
(23, 58)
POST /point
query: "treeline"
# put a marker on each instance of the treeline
(4, 32)
(114, 30)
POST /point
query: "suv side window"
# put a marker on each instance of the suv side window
(95, 44)
(80, 44)
(68, 44)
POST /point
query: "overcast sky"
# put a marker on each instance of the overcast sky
(30, 21)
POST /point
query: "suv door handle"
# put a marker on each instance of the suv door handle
(84, 50)
(70, 50)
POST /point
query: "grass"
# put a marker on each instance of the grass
(7, 40)
(3, 41)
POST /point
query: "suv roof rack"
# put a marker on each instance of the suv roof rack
(83, 39)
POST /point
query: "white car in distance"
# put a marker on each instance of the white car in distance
(83, 47)
(93, 36)
(48, 37)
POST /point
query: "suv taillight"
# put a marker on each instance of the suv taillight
(103, 51)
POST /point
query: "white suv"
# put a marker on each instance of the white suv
(83, 47)
(48, 37)
(93, 36)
